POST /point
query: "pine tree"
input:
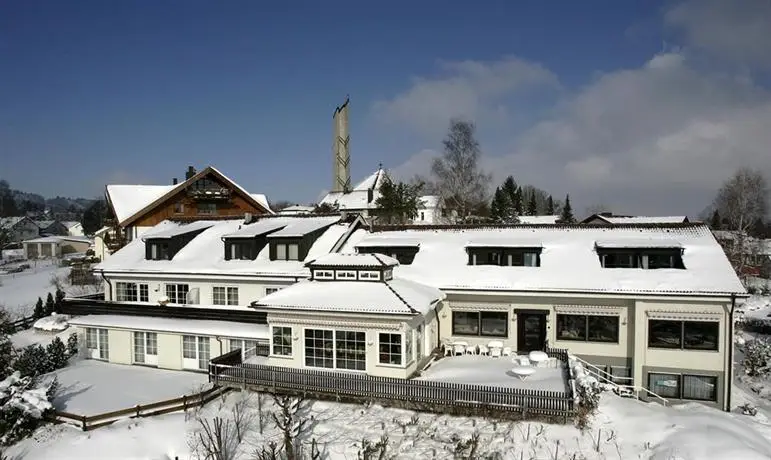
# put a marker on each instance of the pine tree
(715, 221)
(495, 205)
(58, 300)
(567, 212)
(50, 304)
(517, 201)
(6, 355)
(532, 207)
(72, 344)
(57, 353)
(32, 361)
(39, 312)
(550, 206)
(398, 202)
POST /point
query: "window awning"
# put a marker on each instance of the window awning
(599, 310)
(680, 315)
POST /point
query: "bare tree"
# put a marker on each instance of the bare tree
(214, 440)
(741, 201)
(458, 178)
(290, 422)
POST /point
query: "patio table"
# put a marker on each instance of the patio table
(523, 372)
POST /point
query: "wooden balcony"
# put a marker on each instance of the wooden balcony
(212, 194)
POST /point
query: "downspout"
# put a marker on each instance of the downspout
(729, 380)
(109, 283)
(438, 330)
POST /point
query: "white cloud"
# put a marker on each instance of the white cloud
(469, 89)
(734, 30)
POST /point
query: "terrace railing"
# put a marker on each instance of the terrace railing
(430, 395)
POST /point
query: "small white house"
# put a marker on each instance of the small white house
(73, 228)
(55, 246)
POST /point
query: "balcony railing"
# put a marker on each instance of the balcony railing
(214, 194)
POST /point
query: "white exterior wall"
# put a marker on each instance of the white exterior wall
(371, 326)
(100, 250)
(169, 351)
(249, 290)
(76, 230)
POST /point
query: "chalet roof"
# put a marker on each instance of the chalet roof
(177, 230)
(10, 222)
(205, 253)
(569, 261)
(60, 239)
(301, 227)
(359, 197)
(397, 296)
(129, 202)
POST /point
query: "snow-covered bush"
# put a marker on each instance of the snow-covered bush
(57, 354)
(32, 361)
(757, 357)
(587, 391)
(748, 409)
(6, 355)
(23, 406)
(52, 323)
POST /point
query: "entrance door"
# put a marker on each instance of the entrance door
(531, 331)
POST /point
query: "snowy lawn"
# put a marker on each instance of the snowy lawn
(484, 370)
(20, 291)
(622, 428)
(90, 387)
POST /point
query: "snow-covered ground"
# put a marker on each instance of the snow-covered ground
(90, 387)
(20, 291)
(622, 428)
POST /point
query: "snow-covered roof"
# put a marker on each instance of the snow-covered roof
(177, 230)
(545, 219)
(70, 223)
(397, 296)
(430, 201)
(301, 227)
(258, 228)
(128, 200)
(526, 241)
(362, 196)
(354, 260)
(646, 219)
(10, 222)
(44, 223)
(180, 326)
(638, 243)
(374, 241)
(60, 239)
(205, 253)
(569, 261)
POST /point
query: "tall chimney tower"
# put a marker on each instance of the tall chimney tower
(341, 155)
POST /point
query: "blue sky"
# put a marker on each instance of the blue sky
(132, 92)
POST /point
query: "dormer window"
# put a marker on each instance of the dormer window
(369, 275)
(287, 251)
(159, 250)
(645, 255)
(242, 250)
(345, 274)
(323, 274)
(504, 256)
(401, 249)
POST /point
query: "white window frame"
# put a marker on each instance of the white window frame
(144, 292)
(98, 343)
(282, 346)
(229, 295)
(199, 360)
(248, 347)
(145, 348)
(402, 360)
(345, 274)
(323, 274)
(126, 291)
(292, 251)
(369, 275)
(174, 298)
(334, 349)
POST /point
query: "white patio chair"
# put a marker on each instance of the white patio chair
(523, 361)
(471, 350)
(495, 352)
(459, 349)
(506, 351)
(447, 349)
(483, 350)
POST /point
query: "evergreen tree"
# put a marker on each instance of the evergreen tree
(532, 207)
(39, 312)
(50, 304)
(715, 222)
(57, 354)
(6, 355)
(567, 212)
(72, 344)
(495, 205)
(398, 202)
(550, 206)
(94, 217)
(32, 361)
(58, 300)
(517, 202)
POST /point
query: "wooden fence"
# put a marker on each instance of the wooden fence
(430, 395)
(20, 324)
(92, 422)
